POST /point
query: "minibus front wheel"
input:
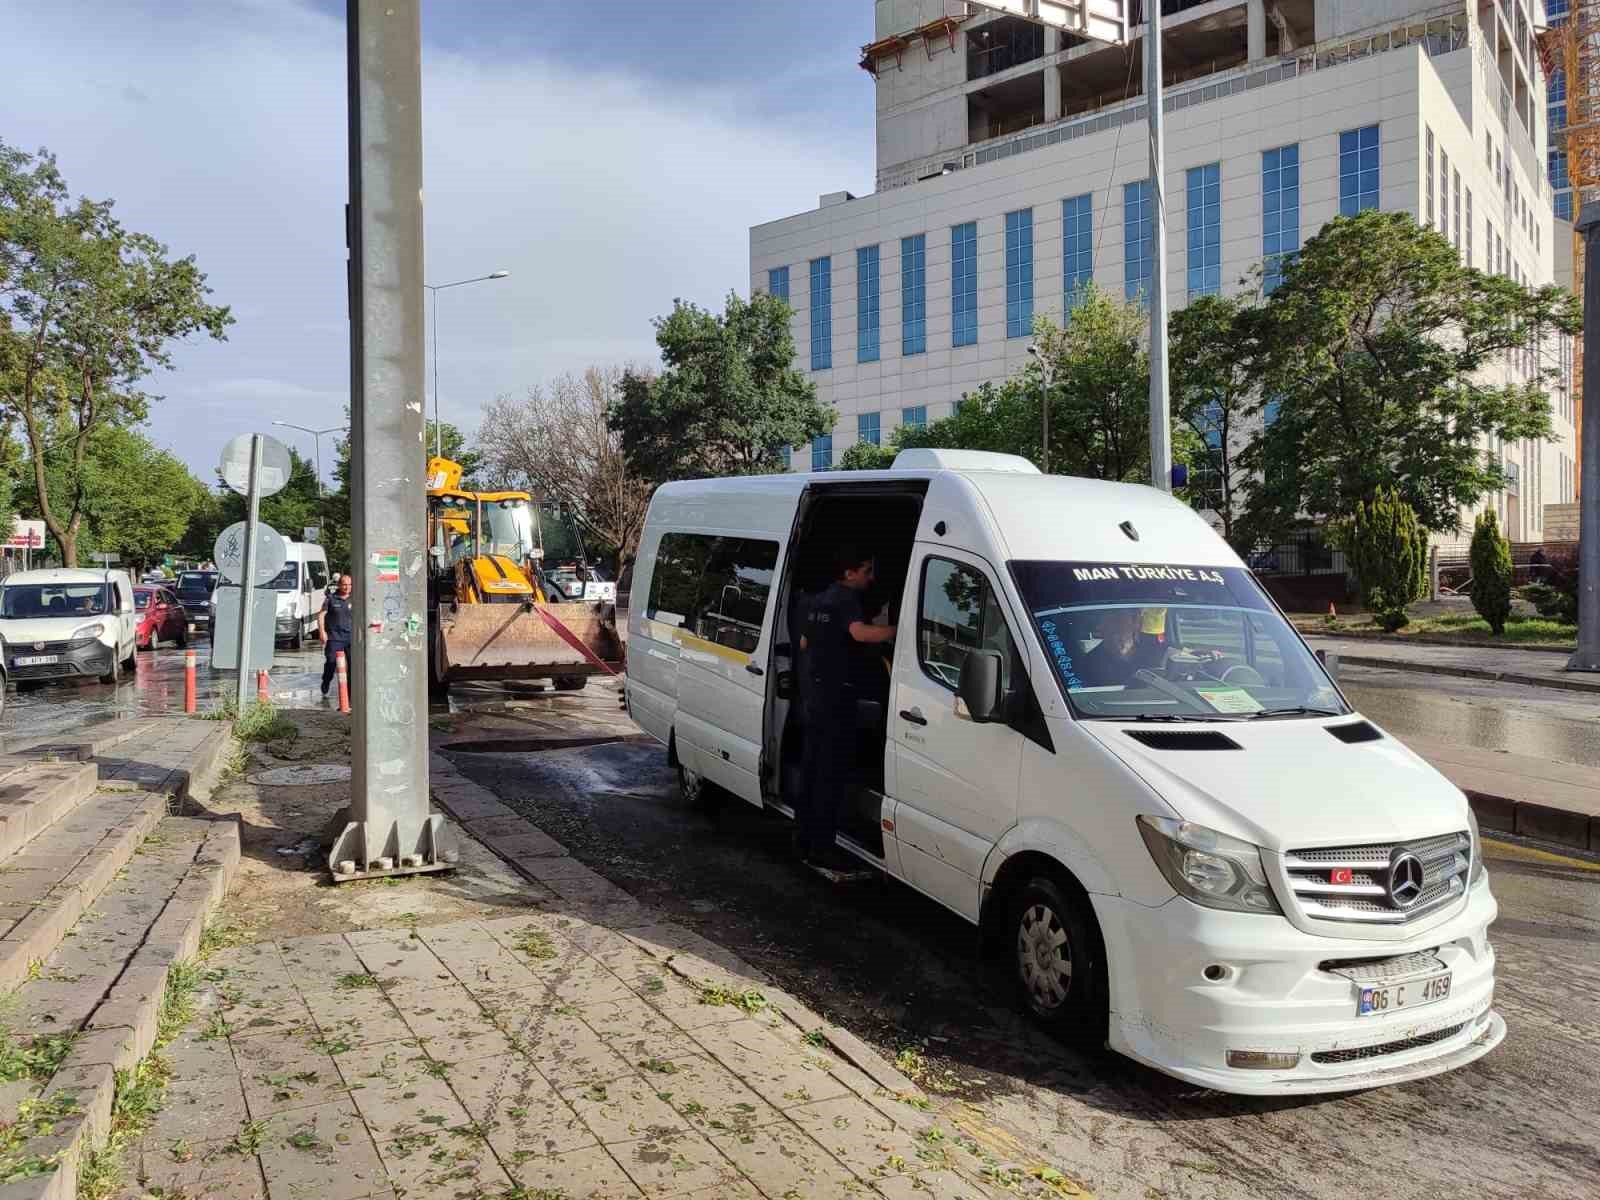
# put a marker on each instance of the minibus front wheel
(694, 789)
(1058, 961)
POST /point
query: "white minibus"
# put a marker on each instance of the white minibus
(1098, 739)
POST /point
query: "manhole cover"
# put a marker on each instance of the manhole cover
(302, 776)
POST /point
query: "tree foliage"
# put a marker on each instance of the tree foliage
(555, 442)
(1215, 398)
(728, 400)
(92, 309)
(866, 456)
(1491, 572)
(1379, 347)
(1388, 549)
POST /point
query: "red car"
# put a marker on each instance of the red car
(161, 618)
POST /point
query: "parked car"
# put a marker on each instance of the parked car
(68, 623)
(194, 593)
(161, 618)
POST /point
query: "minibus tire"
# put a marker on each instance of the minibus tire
(697, 791)
(1041, 909)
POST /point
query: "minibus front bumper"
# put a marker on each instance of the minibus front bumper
(1191, 984)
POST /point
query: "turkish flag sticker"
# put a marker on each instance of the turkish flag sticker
(1341, 875)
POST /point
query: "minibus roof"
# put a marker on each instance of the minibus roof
(1061, 518)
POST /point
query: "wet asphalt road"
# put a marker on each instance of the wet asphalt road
(894, 968)
(155, 687)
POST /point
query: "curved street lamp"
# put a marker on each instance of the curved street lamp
(436, 288)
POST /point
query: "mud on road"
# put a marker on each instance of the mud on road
(899, 971)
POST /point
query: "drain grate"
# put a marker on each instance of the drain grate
(312, 773)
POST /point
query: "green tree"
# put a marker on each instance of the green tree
(1214, 397)
(93, 309)
(1380, 349)
(1491, 572)
(729, 399)
(290, 509)
(1388, 548)
(865, 456)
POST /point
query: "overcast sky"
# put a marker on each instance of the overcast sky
(611, 156)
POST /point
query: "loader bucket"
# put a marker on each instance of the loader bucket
(513, 641)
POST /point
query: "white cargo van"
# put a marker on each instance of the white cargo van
(1098, 739)
(68, 623)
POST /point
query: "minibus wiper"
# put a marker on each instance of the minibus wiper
(1296, 710)
(1203, 717)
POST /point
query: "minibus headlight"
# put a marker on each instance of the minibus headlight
(1477, 848)
(1208, 867)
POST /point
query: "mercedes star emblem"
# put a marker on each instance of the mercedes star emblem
(1405, 879)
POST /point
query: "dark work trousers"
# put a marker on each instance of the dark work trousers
(329, 663)
(830, 751)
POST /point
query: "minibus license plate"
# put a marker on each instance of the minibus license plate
(1414, 993)
(37, 660)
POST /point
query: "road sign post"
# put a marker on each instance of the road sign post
(248, 582)
(389, 830)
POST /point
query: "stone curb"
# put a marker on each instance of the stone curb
(1421, 639)
(450, 788)
(38, 933)
(122, 1030)
(1541, 822)
(1397, 664)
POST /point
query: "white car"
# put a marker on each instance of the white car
(1098, 739)
(68, 623)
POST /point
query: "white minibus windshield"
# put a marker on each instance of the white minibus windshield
(1170, 642)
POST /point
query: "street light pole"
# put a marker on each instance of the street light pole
(1044, 405)
(435, 289)
(317, 435)
(1160, 411)
(1588, 656)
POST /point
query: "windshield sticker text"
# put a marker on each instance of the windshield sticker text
(1058, 651)
(1169, 574)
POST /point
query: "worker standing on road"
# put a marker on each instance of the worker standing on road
(336, 624)
(835, 625)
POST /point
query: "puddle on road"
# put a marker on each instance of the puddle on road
(536, 745)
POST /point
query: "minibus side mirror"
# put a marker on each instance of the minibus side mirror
(980, 684)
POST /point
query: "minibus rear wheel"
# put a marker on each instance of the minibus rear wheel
(1057, 961)
(698, 791)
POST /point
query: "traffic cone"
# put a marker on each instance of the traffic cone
(263, 695)
(188, 681)
(344, 681)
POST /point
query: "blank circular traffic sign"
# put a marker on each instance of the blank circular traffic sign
(235, 465)
(271, 553)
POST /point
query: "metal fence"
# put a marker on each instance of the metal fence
(1307, 553)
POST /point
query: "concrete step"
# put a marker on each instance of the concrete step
(84, 744)
(35, 795)
(50, 882)
(93, 1003)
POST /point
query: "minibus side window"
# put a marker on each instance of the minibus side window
(959, 612)
(715, 588)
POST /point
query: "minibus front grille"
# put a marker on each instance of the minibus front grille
(1325, 892)
(1359, 1053)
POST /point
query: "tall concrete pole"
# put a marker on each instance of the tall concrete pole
(389, 829)
(1160, 407)
(1588, 656)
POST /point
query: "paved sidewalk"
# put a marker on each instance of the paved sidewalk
(1540, 668)
(579, 1048)
(1516, 793)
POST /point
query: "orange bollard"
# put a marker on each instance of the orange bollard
(262, 694)
(188, 681)
(344, 681)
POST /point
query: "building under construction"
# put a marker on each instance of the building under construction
(1012, 166)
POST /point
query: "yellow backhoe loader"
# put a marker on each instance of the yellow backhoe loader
(511, 594)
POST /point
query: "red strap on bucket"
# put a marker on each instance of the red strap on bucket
(572, 639)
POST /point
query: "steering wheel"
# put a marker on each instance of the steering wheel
(1245, 676)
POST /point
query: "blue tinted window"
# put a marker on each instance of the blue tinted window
(964, 284)
(1205, 230)
(788, 456)
(867, 304)
(1280, 211)
(822, 452)
(916, 417)
(778, 282)
(1137, 248)
(821, 314)
(914, 294)
(1563, 205)
(1077, 254)
(1358, 170)
(1019, 273)
(1558, 170)
(867, 428)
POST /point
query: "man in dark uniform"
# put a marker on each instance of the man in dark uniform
(336, 623)
(835, 625)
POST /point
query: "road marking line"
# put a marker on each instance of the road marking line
(1518, 853)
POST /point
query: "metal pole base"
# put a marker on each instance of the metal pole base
(351, 855)
(1584, 660)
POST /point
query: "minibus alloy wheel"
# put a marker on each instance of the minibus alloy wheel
(1056, 960)
(697, 791)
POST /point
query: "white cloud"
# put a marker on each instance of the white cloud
(220, 128)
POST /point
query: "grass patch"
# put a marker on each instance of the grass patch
(261, 722)
(351, 983)
(35, 1118)
(536, 943)
(817, 1038)
(251, 1137)
(224, 934)
(1527, 632)
(749, 1000)
(36, 1058)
